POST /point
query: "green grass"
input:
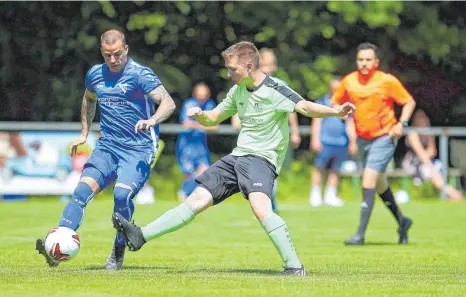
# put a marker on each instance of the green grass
(224, 252)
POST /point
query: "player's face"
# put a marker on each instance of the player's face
(237, 71)
(267, 64)
(115, 55)
(366, 61)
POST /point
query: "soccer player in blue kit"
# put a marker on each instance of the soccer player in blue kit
(126, 93)
(191, 146)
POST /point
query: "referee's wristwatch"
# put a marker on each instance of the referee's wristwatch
(404, 123)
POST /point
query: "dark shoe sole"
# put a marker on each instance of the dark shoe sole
(40, 247)
(119, 227)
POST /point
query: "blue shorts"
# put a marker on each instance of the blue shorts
(129, 165)
(191, 156)
(331, 156)
(376, 153)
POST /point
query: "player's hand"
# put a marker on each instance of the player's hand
(397, 131)
(74, 145)
(194, 112)
(353, 148)
(345, 109)
(295, 139)
(144, 125)
(316, 146)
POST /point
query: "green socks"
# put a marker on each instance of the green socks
(277, 230)
(170, 221)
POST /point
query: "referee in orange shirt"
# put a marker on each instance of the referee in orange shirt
(374, 93)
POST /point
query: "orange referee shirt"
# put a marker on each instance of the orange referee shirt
(375, 113)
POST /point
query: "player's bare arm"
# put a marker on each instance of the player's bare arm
(208, 118)
(314, 110)
(295, 138)
(88, 108)
(352, 137)
(166, 108)
(406, 112)
(196, 125)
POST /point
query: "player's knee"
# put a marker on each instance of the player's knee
(83, 193)
(122, 194)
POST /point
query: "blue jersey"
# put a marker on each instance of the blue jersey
(333, 129)
(193, 136)
(123, 102)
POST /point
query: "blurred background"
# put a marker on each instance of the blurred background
(47, 48)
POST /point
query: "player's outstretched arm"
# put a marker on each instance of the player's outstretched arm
(315, 110)
(164, 111)
(208, 118)
(88, 108)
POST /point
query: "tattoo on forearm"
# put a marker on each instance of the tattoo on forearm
(166, 104)
(88, 109)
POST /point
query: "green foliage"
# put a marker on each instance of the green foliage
(47, 47)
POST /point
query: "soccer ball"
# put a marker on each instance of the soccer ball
(401, 197)
(62, 244)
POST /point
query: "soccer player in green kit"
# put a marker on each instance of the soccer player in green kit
(263, 106)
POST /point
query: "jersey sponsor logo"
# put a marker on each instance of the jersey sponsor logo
(258, 106)
(122, 88)
(257, 184)
(251, 120)
(112, 101)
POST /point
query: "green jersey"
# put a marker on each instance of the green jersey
(263, 112)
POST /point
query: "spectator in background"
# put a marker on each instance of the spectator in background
(191, 147)
(268, 64)
(420, 160)
(331, 141)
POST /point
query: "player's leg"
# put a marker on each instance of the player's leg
(216, 184)
(369, 180)
(274, 195)
(256, 178)
(339, 154)
(93, 179)
(386, 194)
(134, 167)
(322, 159)
(378, 153)
(186, 165)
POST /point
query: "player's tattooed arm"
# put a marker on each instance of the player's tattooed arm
(88, 108)
(166, 104)
(166, 108)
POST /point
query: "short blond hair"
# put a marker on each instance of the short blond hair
(245, 51)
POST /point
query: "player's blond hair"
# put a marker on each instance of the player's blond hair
(111, 37)
(245, 51)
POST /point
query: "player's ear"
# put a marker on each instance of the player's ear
(377, 62)
(126, 49)
(249, 67)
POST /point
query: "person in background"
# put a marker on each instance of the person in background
(374, 93)
(420, 160)
(191, 146)
(331, 142)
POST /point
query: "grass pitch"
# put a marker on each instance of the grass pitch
(225, 252)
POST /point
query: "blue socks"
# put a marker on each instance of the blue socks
(73, 213)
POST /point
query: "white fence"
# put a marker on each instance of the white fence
(442, 132)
